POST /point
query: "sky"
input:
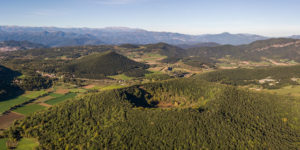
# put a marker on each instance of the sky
(264, 17)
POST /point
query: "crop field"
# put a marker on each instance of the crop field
(45, 98)
(56, 95)
(110, 87)
(8, 119)
(62, 91)
(27, 144)
(78, 90)
(35, 94)
(6, 105)
(28, 109)
(3, 144)
(60, 99)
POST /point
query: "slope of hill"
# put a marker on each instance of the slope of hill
(176, 114)
(104, 64)
(82, 36)
(164, 49)
(7, 89)
(209, 44)
(266, 49)
(266, 77)
(18, 45)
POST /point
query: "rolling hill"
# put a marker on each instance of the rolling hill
(276, 49)
(18, 45)
(209, 44)
(104, 64)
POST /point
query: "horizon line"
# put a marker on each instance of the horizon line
(136, 28)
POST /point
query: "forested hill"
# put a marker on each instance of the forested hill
(104, 64)
(18, 45)
(197, 45)
(175, 114)
(267, 49)
(165, 49)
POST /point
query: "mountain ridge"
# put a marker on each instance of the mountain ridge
(123, 35)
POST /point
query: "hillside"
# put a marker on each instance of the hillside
(104, 64)
(176, 114)
(197, 45)
(165, 50)
(264, 77)
(18, 45)
(257, 51)
(7, 89)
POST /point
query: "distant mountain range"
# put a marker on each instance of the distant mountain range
(52, 36)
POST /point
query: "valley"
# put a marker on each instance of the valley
(143, 96)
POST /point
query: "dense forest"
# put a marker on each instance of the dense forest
(200, 115)
(34, 82)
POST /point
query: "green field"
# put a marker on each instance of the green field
(6, 105)
(56, 95)
(27, 144)
(60, 99)
(3, 144)
(110, 87)
(78, 90)
(121, 77)
(35, 94)
(28, 109)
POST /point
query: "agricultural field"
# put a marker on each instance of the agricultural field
(3, 144)
(8, 118)
(60, 99)
(28, 96)
(110, 87)
(29, 109)
(27, 144)
(6, 105)
(35, 94)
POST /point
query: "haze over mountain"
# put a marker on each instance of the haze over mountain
(53, 36)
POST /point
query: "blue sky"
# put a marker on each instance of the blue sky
(265, 17)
